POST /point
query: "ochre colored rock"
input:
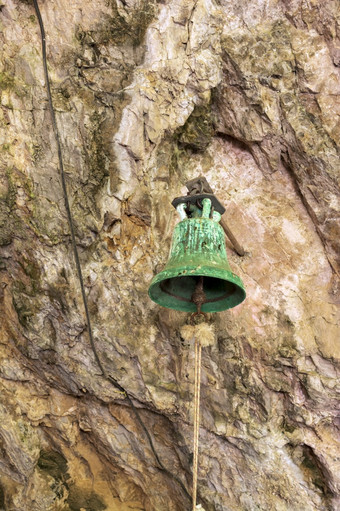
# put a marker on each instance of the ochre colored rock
(147, 96)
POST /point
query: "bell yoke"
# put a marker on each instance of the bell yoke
(197, 276)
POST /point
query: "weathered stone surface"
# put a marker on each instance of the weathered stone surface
(148, 95)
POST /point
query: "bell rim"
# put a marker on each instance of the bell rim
(155, 293)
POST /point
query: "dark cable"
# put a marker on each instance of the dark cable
(63, 182)
(76, 256)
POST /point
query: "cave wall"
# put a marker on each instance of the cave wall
(148, 95)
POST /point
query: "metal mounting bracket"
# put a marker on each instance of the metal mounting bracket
(196, 199)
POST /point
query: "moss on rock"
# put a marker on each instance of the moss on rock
(80, 499)
(197, 132)
(53, 463)
(6, 80)
(120, 30)
(7, 216)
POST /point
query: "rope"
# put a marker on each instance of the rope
(198, 355)
(107, 376)
(203, 335)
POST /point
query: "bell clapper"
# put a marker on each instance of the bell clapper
(198, 297)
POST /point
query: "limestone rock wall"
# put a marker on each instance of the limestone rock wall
(148, 95)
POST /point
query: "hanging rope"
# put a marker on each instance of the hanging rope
(198, 356)
(202, 335)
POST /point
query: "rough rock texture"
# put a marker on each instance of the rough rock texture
(147, 95)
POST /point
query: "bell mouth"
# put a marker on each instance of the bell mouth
(183, 288)
(175, 292)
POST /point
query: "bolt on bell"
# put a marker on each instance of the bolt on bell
(198, 263)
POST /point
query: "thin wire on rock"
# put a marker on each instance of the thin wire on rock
(77, 260)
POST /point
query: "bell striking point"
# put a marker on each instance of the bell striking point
(197, 276)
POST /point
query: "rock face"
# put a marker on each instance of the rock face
(148, 95)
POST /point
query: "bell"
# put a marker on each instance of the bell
(197, 276)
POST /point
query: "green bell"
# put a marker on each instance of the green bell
(197, 276)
